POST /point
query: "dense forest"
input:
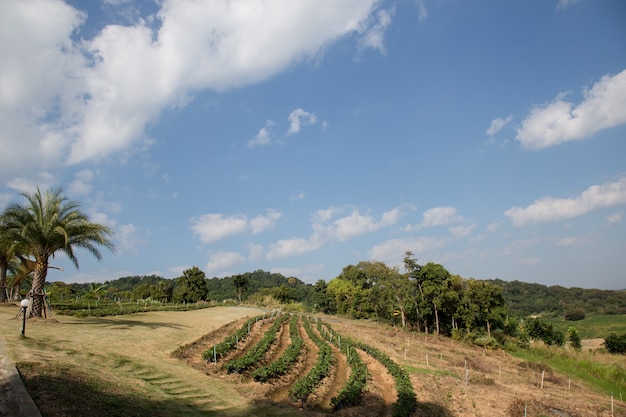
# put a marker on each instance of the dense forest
(521, 299)
(524, 299)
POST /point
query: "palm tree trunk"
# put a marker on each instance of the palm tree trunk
(36, 294)
(3, 283)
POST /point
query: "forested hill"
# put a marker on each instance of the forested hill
(281, 287)
(524, 299)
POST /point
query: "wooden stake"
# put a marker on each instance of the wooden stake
(612, 406)
(405, 354)
(427, 359)
(542, 375)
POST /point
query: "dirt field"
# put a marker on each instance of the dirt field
(133, 354)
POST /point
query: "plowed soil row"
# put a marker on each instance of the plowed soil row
(377, 400)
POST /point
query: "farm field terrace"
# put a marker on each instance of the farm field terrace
(124, 366)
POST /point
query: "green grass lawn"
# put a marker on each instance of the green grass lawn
(594, 325)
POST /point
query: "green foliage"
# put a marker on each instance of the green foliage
(525, 299)
(603, 377)
(350, 393)
(406, 402)
(191, 287)
(283, 364)
(301, 390)
(241, 284)
(230, 342)
(222, 289)
(574, 338)
(256, 353)
(574, 315)
(540, 330)
(92, 308)
(615, 343)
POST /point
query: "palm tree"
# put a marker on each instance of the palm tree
(47, 224)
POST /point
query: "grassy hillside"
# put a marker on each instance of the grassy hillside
(123, 366)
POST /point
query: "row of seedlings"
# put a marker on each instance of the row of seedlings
(284, 363)
(305, 386)
(231, 341)
(350, 393)
(254, 355)
(407, 400)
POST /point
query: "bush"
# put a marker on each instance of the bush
(574, 315)
(615, 343)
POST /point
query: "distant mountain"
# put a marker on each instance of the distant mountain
(524, 299)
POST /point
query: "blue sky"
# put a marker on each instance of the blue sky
(303, 136)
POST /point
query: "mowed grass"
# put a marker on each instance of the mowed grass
(593, 326)
(122, 366)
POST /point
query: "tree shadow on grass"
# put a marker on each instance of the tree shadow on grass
(65, 392)
(124, 323)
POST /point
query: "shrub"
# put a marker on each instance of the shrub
(615, 343)
(575, 315)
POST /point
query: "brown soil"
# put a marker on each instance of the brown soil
(496, 382)
(134, 353)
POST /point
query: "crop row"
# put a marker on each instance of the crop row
(301, 390)
(283, 364)
(256, 353)
(350, 393)
(407, 400)
(230, 342)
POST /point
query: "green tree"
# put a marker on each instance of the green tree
(191, 287)
(434, 284)
(50, 223)
(615, 343)
(486, 302)
(320, 300)
(574, 338)
(241, 284)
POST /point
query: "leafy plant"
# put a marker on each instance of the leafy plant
(301, 390)
(256, 353)
(230, 342)
(283, 364)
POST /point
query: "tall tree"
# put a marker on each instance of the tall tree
(191, 287)
(50, 223)
(241, 284)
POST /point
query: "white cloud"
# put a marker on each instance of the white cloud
(71, 101)
(603, 107)
(548, 209)
(82, 182)
(564, 4)
(440, 216)
(492, 227)
(298, 197)
(216, 226)
(299, 118)
(222, 260)
(391, 250)
(264, 137)
(498, 124)
(461, 232)
(373, 32)
(328, 227)
(127, 239)
(263, 222)
(615, 218)
(44, 181)
(422, 10)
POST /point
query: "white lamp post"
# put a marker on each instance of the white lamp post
(24, 303)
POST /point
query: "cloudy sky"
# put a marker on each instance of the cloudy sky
(303, 136)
